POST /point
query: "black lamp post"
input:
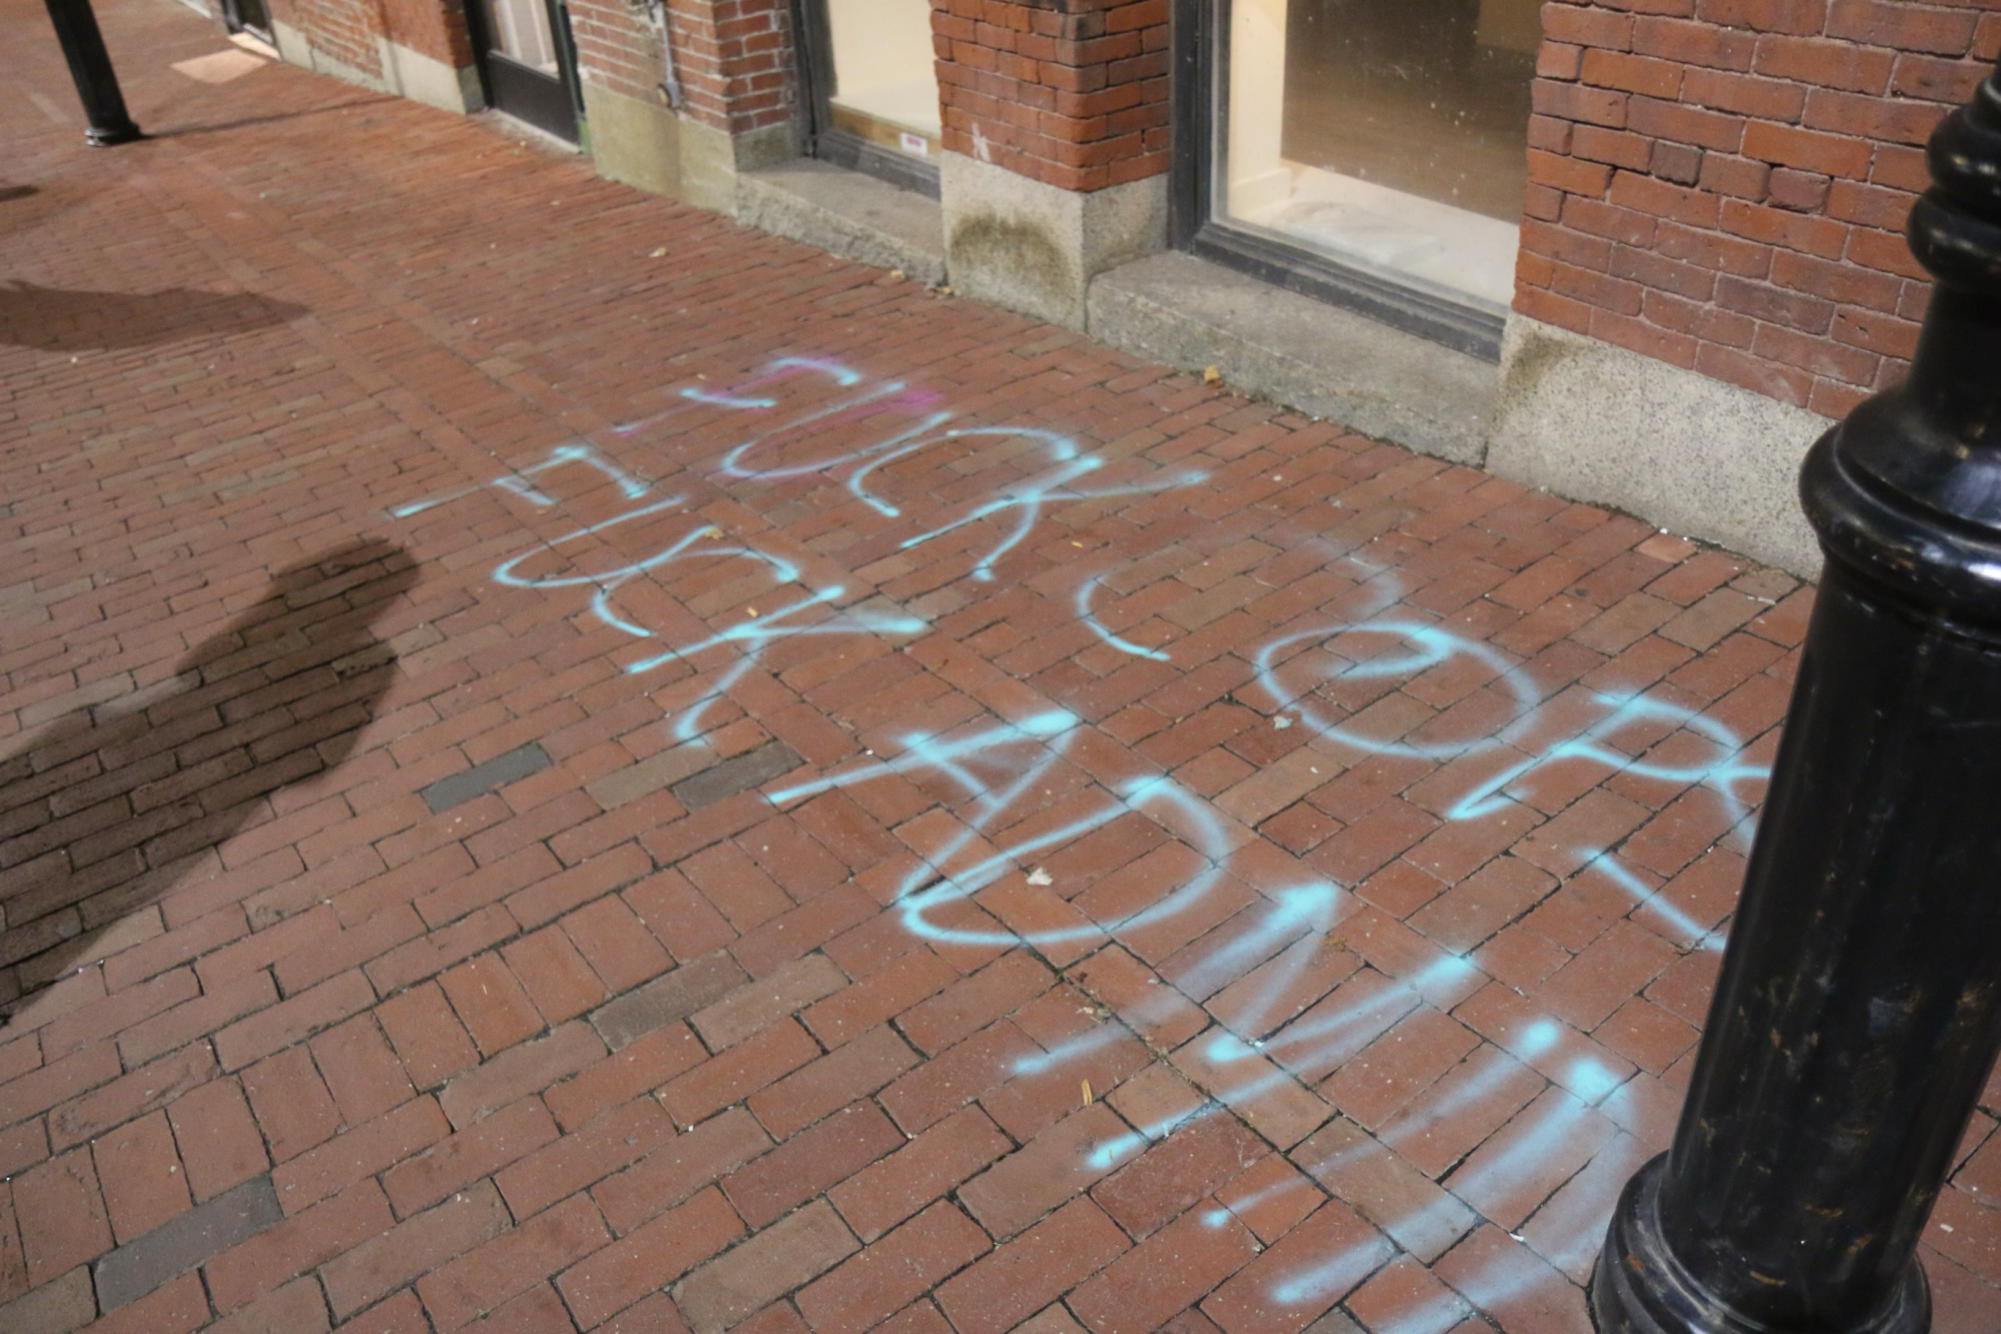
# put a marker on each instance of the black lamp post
(1859, 1007)
(90, 67)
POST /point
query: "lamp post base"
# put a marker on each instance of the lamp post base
(104, 136)
(1639, 1287)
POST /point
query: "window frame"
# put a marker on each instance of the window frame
(813, 59)
(1200, 37)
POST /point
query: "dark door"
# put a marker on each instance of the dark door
(247, 16)
(527, 64)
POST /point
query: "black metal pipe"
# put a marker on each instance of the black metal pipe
(1859, 1007)
(90, 68)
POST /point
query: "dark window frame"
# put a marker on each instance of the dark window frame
(813, 62)
(1200, 39)
(567, 74)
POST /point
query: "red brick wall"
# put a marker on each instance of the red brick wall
(346, 30)
(1723, 184)
(435, 28)
(734, 58)
(618, 47)
(343, 30)
(1071, 92)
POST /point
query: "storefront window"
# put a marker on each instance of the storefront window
(885, 84)
(1389, 135)
(521, 31)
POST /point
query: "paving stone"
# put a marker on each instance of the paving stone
(498, 772)
(186, 1242)
(708, 786)
(680, 993)
(56, 1307)
(785, 1256)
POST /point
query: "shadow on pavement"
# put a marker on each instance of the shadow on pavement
(60, 320)
(276, 117)
(110, 806)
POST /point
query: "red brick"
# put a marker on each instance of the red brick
(738, 1072)
(297, 1245)
(488, 1277)
(616, 944)
(360, 1071)
(218, 1140)
(61, 1216)
(1000, 1291)
(358, 1154)
(616, 1276)
(480, 1150)
(428, 1037)
(769, 1264)
(363, 1274)
(627, 1073)
(491, 1003)
(292, 1019)
(1164, 1275)
(1857, 69)
(892, 1189)
(141, 1173)
(888, 1275)
(293, 1107)
(810, 1163)
(1334, 1250)
(679, 1168)
(1901, 27)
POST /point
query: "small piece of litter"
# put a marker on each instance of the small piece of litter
(1945, 1227)
(750, 611)
(1210, 374)
(1281, 722)
(897, 274)
(1039, 876)
(1087, 1100)
(660, 253)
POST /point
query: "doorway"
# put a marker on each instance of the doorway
(249, 16)
(527, 64)
(872, 88)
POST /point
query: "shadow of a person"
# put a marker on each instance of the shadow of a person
(108, 807)
(58, 319)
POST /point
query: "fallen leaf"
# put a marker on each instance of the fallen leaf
(1211, 374)
(1087, 1093)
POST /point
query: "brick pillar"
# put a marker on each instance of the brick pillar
(1055, 146)
(420, 49)
(1713, 261)
(733, 73)
(1722, 184)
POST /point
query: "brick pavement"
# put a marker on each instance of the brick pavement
(571, 766)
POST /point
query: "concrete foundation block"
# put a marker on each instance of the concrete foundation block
(1694, 455)
(633, 141)
(712, 159)
(1034, 247)
(847, 213)
(431, 81)
(1306, 354)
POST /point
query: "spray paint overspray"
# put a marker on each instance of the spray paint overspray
(1245, 951)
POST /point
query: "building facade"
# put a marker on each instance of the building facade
(1637, 251)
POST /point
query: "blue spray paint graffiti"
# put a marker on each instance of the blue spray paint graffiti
(1000, 769)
